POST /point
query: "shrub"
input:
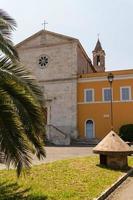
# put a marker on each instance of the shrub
(126, 132)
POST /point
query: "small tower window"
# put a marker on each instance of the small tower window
(98, 60)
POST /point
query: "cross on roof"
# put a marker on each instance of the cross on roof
(98, 35)
(44, 25)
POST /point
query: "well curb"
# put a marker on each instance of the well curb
(114, 186)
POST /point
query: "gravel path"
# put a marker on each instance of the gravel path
(60, 153)
(124, 191)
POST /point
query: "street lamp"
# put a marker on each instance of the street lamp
(110, 80)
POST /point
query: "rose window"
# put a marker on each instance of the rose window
(43, 61)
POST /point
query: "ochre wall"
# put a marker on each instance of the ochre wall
(99, 111)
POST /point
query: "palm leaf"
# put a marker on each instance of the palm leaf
(24, 94)
(7, 48)
(7, 21)
(13, 141)
(7, 24)
(22, 121)
(32, 136)
(24, 75)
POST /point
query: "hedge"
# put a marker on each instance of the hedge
(126, 132)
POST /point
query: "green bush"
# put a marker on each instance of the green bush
(126, 132)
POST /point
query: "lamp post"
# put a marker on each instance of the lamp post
(110, 80)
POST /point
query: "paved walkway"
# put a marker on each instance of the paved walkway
(60, 153)
(124, 192)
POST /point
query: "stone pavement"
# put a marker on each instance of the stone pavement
(124, 191)
(60, 153)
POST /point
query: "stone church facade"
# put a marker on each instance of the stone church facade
(57, 61)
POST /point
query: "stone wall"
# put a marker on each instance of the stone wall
(61, 101)
(62, 61)
(82, 62)
(117, 161)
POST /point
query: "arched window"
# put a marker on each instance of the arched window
(98, 60)
(89, 129)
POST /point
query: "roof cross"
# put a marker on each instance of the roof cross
(98, 35)
(44, 25)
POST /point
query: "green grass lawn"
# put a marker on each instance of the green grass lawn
(73, 179)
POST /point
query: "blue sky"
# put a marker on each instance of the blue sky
(82, 19)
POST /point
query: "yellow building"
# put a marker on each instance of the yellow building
(94, 103)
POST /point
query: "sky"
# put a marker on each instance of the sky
(82, 19)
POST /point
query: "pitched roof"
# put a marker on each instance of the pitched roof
(46, 32)
(98, 46)
(60, 36)
(112, 143)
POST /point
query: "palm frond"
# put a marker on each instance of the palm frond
(24, 94)
(7, 21)
(13, 141)
(22, 121)
(7, 48)
(7, 24)
(32, 136)
(24, 75)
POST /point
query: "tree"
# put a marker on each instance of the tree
(22, 124)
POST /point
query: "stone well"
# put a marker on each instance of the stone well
(113, 151)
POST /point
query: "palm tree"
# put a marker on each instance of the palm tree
(7, 25)
(22, 124)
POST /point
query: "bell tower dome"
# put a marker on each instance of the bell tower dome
(99, 57)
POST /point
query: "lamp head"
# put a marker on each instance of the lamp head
(110, 77)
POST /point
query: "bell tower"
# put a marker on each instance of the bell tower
(99, 57)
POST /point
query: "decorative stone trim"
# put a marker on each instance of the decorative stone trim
(59, 80)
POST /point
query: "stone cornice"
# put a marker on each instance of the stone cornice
(58, 80)
(46, 45)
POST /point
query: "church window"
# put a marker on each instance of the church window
(98, 60)
(43, 61)
(89, 95)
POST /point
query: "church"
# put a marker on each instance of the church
(76, 89)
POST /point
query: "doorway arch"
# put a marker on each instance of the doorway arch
(89, 129)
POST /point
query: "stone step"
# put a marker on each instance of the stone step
(84, 142)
